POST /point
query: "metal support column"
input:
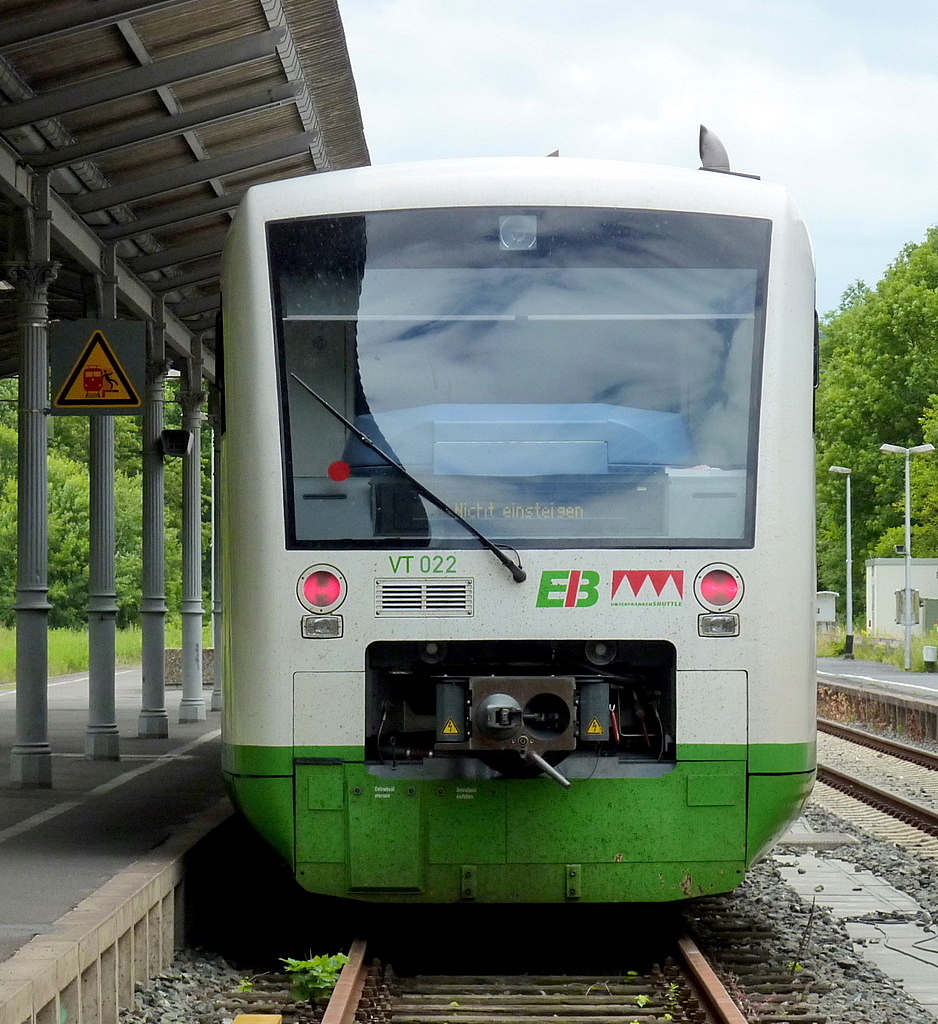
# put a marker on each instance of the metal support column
(192, 705)
(154, 721)
(102, 739)
(31, 755)
(215, 419)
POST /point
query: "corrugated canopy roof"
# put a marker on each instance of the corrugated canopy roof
(152, 119)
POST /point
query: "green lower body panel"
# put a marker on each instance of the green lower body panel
(541, 883)
(689, 832)
(267, 803)
(774, 801)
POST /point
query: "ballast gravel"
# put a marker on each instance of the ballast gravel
(801, 938)
(185, 993)
(910, 781)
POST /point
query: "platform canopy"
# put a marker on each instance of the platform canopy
(151, 120)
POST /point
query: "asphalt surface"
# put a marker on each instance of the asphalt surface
(923, 685)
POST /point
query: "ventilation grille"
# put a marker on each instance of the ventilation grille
(433, 597)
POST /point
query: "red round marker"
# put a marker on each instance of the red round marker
(339, 471)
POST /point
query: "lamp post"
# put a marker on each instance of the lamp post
(919, 449)
(848, 640)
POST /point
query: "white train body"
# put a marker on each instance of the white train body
(607, 370)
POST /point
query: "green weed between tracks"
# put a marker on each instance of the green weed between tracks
(313, 980)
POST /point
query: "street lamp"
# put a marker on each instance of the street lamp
(919, 449)
(848, 641)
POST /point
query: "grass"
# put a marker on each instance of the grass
(866, 648)
(68, 648)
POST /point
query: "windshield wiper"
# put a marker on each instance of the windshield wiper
(517, 573)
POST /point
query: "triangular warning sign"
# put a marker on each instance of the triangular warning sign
(97, 380)
(595, 729)
(450, 729)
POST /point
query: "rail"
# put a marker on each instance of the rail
(918, 815)
(710, 991)
(348, 990)
(345, 996)
(882, 744)
(512, 1000)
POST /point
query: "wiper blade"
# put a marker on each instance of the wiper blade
(517, 573)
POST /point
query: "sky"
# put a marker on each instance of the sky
(835, 99)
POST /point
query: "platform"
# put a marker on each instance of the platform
(877, 674)
(59, 845)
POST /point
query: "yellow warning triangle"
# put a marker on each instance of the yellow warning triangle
(595, 729)
(97, 380)
(450, 729)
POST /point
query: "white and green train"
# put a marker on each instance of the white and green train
(518, 542)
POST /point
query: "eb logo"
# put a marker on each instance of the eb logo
(571, 588)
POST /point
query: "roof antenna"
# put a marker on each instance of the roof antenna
(713, 155)
(712, 152)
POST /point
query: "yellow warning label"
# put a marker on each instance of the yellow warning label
(595, 729)
(97, 380)
(450, 729)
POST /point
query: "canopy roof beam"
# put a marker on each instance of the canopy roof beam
(168, 127)
(121, 84)
(79, 242)
(85, 15)
(180, 214)
(194, 173)
(192, 307)
(210, 244)
(206, 272)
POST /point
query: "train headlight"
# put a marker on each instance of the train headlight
(321, 588)
(725, 624)
(321, 627)
(718, 587)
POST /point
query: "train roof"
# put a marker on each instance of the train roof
(531, 181)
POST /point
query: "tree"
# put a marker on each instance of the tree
(69, 514)
(68, 544)
(879, 372)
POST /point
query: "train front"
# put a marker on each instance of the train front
(518, 558)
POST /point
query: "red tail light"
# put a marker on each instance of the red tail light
(321, 588)
(718, 587)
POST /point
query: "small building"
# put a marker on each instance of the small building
(826, 610)
(885, 581)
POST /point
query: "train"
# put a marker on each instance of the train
(518, 528)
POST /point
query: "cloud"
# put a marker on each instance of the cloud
(834, 100)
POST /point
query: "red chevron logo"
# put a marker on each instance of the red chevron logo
(637, 578)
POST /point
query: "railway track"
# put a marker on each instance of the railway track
(911, 812)
(904, 751)
(908, 811)
(685, 989)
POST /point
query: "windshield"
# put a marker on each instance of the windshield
(559, 377)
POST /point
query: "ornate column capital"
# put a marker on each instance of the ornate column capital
(157, 369)
(30, 277)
